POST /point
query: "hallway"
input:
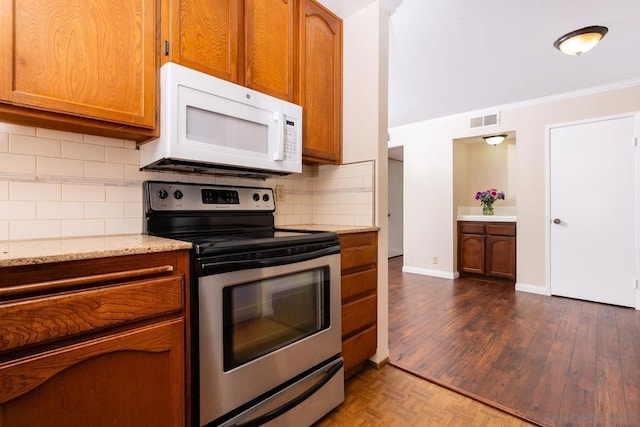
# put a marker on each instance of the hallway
(552, 360)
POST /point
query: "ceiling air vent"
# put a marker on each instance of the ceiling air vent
(481, 121)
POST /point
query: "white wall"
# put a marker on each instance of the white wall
(428, 147)
(487, 167)
(365, 75)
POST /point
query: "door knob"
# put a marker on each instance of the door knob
(557, 221)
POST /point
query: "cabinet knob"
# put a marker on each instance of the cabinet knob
(557, 221)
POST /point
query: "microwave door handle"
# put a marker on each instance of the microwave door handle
(279, 153)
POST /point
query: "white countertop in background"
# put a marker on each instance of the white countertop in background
(474, 213)
(488, 218)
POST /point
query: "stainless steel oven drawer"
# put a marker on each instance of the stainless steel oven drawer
(318, 392)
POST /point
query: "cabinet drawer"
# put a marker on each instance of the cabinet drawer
(358, 239)
(471, 228)
(358, 314)
(501, 230)
(42, 319)
(361, 282)
(359, 256)
(359, 348)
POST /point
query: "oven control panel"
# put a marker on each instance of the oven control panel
(180, 196)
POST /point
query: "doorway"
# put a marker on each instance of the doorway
(592, 202)
(395, 214)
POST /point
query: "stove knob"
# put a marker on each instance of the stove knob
(162, 193)
(178, 194)
(256, 197)
(265, 197)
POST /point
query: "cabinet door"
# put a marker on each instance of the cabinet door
(320, 84)
(501, 257)
(471, 257)
(270, 46)
(132, 378)
(87, 58)
(204, 35)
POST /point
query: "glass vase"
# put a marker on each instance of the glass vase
(487, 209)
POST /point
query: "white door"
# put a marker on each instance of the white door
(395, 208)
(592, 206)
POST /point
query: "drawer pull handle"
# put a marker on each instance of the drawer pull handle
(52, 285)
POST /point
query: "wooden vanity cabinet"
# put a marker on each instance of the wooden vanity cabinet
(250, 42)
(95, 342)
(359, 264)
(487, 249)
(80, 65)
(320, 83)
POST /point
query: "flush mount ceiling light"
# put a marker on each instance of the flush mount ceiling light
(580, 41)
(494, 139)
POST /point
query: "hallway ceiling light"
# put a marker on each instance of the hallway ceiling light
(494, 139)
(580, 41)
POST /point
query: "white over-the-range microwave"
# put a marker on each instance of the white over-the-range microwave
(212, 126)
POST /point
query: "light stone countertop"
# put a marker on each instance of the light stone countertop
(338, 229)
(488, 218)
(40, 251)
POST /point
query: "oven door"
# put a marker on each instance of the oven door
(261, 327)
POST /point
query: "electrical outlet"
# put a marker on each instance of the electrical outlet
(434, 260)
(280, 193)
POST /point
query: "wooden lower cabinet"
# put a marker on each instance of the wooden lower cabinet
(487, 249)
(120, 379)
(103, 349)
(359, 258)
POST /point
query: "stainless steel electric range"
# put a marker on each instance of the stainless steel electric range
(265, 306)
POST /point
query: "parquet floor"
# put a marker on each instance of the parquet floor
(390, 397)
(553, 360)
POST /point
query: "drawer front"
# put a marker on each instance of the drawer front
(358, 239)
(42, 319)
(501, 230)
(358, 257)
(359, 348)
(358, 314)
(361, 282)
(471, 227)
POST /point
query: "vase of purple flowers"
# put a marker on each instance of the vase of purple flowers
(487, 198)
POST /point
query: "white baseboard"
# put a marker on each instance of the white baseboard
(533, 289)
(426, 272)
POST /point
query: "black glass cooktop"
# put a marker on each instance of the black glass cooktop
(216, 241)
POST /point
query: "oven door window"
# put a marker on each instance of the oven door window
(263, 316)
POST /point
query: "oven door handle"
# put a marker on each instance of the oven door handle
(268, 262)
(262, 419)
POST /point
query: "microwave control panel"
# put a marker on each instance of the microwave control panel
(290, 148)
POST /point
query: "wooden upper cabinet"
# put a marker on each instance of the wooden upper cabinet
(320, 83)
(203, 35)
(85, 58)
(270, 42)
(249, 42)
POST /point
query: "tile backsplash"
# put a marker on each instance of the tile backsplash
(63, 184)
(326, 194)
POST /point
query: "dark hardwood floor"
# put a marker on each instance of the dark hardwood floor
(554, 361)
